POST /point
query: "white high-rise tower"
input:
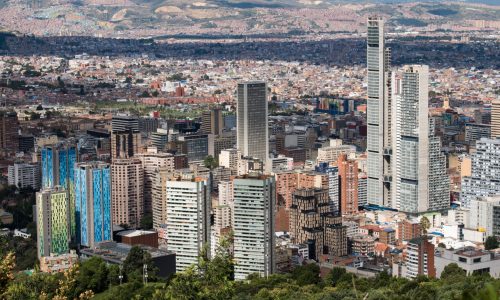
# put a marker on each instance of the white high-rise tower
(379, 115)
(420, 180)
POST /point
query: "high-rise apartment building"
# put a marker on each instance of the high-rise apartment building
(159, 196)
(188, 219)
(495, 119)
(254, 241)
(152, 160)
(127, 193)
(379, 115)
(58, 169)
(485, 174)
(420, 174)
(24, 175)
(53, 221)
(212, 122)
(9, 131)
(253, 136)
(93, 203)
(348, 174)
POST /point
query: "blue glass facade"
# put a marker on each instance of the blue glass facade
(93, 203)
(58, 165)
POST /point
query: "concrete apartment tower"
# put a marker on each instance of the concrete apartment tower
(254, 241)
(127, 192)
(421, 181)
(188, 219)
(253, 137)
(379, 115)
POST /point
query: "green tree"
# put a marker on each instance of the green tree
(334, 276)
(491, 243)
(424, 225)
(453, 271)
(308, 274)
(147, 221)
(92, 275)
(134, 263)
(210, 162)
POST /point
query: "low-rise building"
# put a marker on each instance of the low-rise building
(470, 259)
(58, 263)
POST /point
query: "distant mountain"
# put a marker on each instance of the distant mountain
(141, 18)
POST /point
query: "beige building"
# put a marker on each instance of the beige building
(152, 160)
(125, 144)
(331, 153)
(127, 197)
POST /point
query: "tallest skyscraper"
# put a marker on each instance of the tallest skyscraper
(378, 115)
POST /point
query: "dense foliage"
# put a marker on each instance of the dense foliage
(212, 279)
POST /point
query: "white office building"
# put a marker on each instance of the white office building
(254, 241)
(188, 219)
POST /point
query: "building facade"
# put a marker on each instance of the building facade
(252, 123)
(53, 221)
(379, 115)
(420, 174)
(93, 203)
(188, 219)
(485, 174)
(24, 175)
(254, 240)
(127, 192)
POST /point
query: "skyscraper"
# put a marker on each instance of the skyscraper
(58, 165)
(93, 203)
(127, 192)
(254, 241)
(348, 174)
(188, 219)
(379, 115)
(125, 137)
(53, 227)
(252, 137)
(9, 130)
(495, 119)
(485, 176)
(421, 181)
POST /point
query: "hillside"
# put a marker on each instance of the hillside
(139, 18)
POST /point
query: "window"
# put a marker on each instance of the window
(462, 259)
